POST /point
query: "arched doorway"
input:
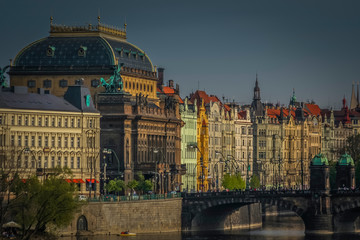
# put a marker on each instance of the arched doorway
(82, 224)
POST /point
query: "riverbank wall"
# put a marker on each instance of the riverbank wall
(147, 216)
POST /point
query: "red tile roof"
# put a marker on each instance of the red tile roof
(312, 109)
(242, 115)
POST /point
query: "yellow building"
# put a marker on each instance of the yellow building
(203, 148)
(39, 132)
(89, 53)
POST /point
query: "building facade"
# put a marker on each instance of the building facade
(189, 114)
(39, 132)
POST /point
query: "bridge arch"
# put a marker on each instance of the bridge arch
(345, 215)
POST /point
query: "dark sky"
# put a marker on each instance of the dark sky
(312, 46)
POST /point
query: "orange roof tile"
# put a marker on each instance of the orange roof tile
(168, 90)
(242, 115)
(313, 109)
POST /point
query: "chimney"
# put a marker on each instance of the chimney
(171, 83)
(160, 76)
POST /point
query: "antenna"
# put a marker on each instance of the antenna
(98, 16)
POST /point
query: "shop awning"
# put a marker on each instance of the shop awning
(92, 180)
(78, 181)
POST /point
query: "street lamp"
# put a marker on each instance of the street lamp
(279, 158)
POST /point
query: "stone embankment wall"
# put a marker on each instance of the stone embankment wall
(136, 216)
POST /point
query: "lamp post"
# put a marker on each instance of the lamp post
(194, 145)
(279, 157)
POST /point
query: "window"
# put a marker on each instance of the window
(47, 83)
(78, 142)
(19, 120)
(78, 123)
(26, 163)
(53, 122)
(90, 123)
(46, 121)
(66, 142)
(46, 161)
(31, 83)
(39, 162)
(52, 141)
(95, 83)
(262, 154)
(26, 121)
(52, 161)
(19, 140)
(26, 142)
(59, 142)
(72, 142)
(72, 122)
(39, 121)
(72, 162)
(63, 83)
(39, 141)
(59, 122)
(78, 162)
(12, 120)
(65, 161)
(66, 122)
(33, 141)
(32, 121)
(46, 141)
(243, 130)
(59, 162)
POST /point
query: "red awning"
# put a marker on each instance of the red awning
(78, 181)
(68, 180)
(92, 180)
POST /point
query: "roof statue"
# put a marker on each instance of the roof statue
(115, 83)
(2, 76)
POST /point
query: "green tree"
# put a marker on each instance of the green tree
(115, 186)
(143, 185)
(132, 185)
(332, 176)
(233, 182)
(353, 149)
(42, 203)
(254, 182)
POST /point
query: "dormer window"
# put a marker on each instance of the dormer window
(82, 51)
(50, 52)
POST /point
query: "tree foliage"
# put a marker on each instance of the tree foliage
(254, 182)
(115, 186)
(353, 148)
(43, 202)
(143, 186)
(233, 182)
(132, 185)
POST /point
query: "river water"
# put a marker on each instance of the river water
(274, 228)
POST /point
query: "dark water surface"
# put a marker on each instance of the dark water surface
(274, 228)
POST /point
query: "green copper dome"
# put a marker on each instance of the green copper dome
(319, 160)
(346, 160)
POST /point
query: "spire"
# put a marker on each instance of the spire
(293, 98)
(256, 89)
(344, 102)
(353, 103)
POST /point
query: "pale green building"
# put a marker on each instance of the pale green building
(188, 113)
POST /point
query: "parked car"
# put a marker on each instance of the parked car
(82, 198)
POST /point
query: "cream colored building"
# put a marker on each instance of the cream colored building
(39, 132)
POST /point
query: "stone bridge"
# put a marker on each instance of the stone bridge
(321, 211)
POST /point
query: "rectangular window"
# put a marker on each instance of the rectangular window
(72, 162)
(72, 122)
(46, 141)
(78, 123)
(59, 142)
(53, 122)
(33, 162)
(26, 141)
(39, 141)
(52, 141)
(47, 83)
(72, 142)
(33, 141)
(19, 120)
(52, 162)
(19, 140)
(32, 121)
(78, 162)
(26, 121)
(90, 123)
(66, 142)
(65, 161)
(39, 162)
(59, 162)
(26, 163)
(66, 122)
(39, 121)
(59, 122)
(46, 161)
(46, 121)
(12, 120)
(31, 83)
(12, 140)
(78, 142)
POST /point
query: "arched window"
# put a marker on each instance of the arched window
(82, 223)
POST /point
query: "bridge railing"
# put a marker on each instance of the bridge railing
(247, 193)
(113, 198)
